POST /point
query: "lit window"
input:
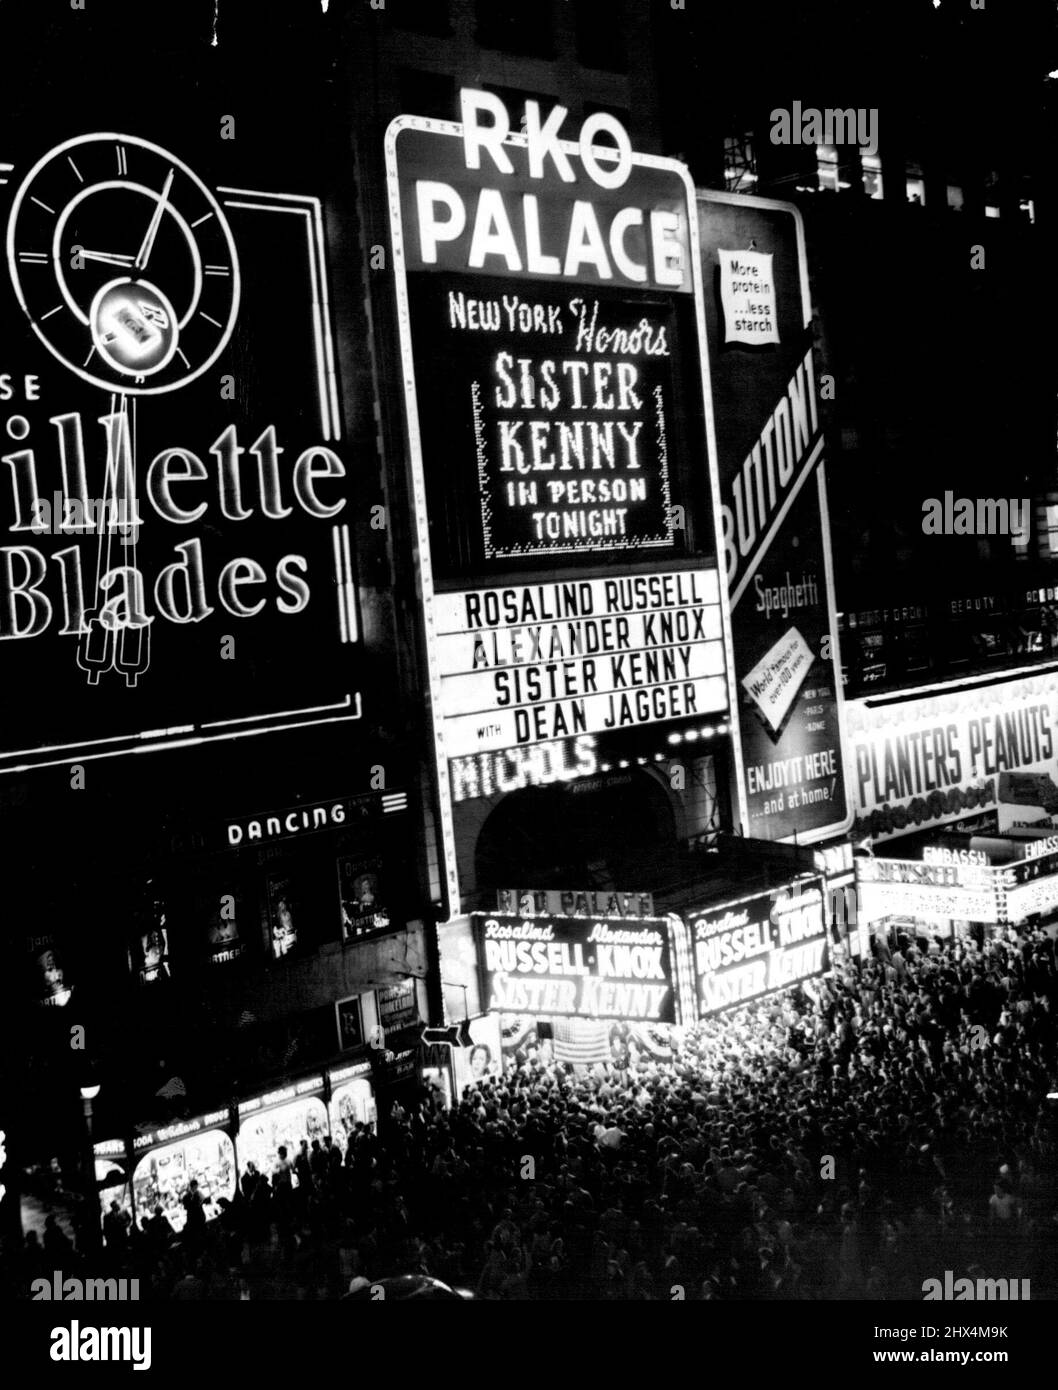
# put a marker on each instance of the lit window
(872, 175)
(827, 168)
(1050, 531)
(1027, 207)
(991, 195)
(740, 163)
(955, 197)
(916, 186)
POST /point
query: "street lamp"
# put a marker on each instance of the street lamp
(91, 1226)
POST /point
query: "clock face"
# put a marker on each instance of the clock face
(124, 263)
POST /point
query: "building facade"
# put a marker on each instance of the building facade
(317, 638)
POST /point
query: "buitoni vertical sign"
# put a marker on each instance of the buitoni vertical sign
(550, 312)
(776, 541)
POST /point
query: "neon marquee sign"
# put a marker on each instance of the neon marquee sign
(117, 522)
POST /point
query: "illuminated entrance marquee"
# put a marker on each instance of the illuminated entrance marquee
(757, 945)
(568, 968)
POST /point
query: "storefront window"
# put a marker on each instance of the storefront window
(163, 1177)
(351, 1105)
(260, 1136)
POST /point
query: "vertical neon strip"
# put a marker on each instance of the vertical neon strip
(350, 587)
(339, 587)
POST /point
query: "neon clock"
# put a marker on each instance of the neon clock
(124, 264)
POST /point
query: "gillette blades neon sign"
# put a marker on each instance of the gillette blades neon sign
(39, 593)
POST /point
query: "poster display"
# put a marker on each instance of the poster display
(282, 915)
(149, 947)
(483, 1059)
(397, 1007)
(565, 967)
(747, 295)
(223, 915)
(750, 948)
(549, 306)
(773, 514)
(360, 896)
(350, 1022)
(50, 985)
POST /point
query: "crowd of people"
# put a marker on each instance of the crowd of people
(848, 1139)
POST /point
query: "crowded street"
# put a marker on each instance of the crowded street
(847, 1141)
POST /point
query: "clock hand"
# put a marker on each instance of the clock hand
(107, 257)
(143, 255)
